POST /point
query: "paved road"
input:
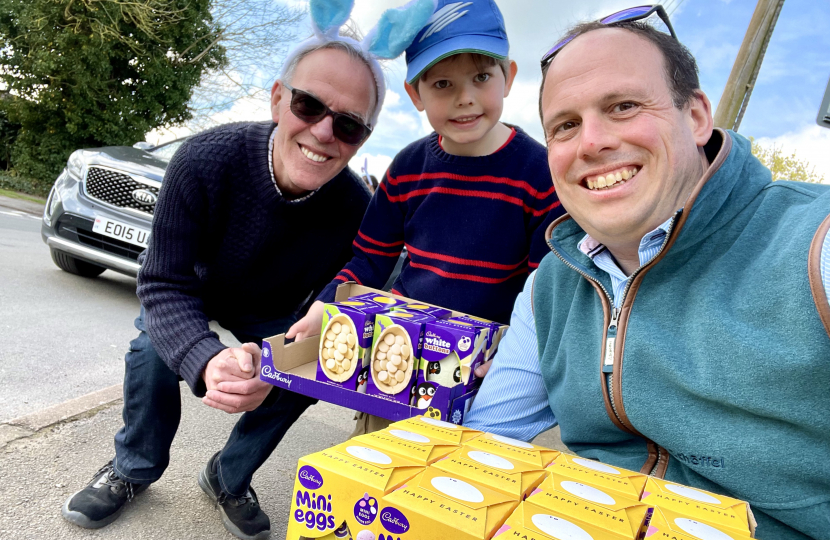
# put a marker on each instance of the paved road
(61, 336)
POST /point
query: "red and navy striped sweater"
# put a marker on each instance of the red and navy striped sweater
(473, 226)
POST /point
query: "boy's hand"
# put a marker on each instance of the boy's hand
(482, 370)
(308, 325)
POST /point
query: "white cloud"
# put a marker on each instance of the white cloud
(246, 109)
(521, 109)
(393, 99)
(809, 143)
(377, 164)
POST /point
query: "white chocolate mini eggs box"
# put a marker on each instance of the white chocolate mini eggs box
(496, 332)
(452, 351)
(345, 342)
(337, 491)
(395, 354)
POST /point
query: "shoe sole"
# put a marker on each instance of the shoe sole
(81, 520)
(229, 525)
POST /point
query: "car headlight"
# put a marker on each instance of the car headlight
(75, 165)
(51, 205)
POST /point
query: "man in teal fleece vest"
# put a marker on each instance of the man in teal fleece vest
(681, 320)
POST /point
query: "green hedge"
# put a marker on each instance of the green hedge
(32, 186)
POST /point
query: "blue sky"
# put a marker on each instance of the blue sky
(782, 110)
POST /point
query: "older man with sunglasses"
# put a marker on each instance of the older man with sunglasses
(253, 220)
(680, 325)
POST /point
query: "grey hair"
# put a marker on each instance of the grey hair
(349, 30)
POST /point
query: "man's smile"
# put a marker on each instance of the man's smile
(610, 178)
(314, 156)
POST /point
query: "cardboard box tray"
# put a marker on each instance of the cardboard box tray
(293, 367)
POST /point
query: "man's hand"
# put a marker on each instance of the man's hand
(233, 381)
(308, 325)
(232, 364)
(482, 370)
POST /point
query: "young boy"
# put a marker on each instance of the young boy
(471, 202)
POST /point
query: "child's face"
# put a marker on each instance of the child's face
(463, 102)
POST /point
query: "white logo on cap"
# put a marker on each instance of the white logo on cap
(444, 16)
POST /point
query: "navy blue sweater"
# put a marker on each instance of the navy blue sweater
(473, 226)
(226, 246)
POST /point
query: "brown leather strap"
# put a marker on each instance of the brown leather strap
(814, 274)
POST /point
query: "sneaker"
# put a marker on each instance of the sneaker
(242, 516)
(101, 501)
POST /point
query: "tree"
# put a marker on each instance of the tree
(784, 166)
(254, 34)
(87, 73)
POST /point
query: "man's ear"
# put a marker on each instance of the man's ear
(414, 96)
(276, 97)
(699, 118)
(511, 75)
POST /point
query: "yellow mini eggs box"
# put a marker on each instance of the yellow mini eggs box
(337, 491)
(532, 522)
(668, 524)
(437, 429)
(511, 476)
(612, 479)
(437, 505)
(416, 447)
(538, 456)
(710, 508)
(563, 509)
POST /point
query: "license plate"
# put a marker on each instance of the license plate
(121, 231)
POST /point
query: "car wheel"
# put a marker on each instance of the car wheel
(76, 266)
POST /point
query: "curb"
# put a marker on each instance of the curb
(32, 423)
(21, 205)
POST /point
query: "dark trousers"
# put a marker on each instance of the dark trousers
(152, 409)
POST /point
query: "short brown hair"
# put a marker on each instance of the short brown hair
(680, 67)
(481, 61)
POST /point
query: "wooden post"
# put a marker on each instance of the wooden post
(735, 98)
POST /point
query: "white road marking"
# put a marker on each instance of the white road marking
(19, 214)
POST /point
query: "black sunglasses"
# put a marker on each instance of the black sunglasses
(309, 109)
(630, 14)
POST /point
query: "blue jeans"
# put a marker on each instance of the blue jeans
(152, 410)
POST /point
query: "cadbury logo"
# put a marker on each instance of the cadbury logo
(310, 478)
(270, 373)
(393, 520)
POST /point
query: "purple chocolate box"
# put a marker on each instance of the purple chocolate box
(451, 353)
(412, 323)
(362, 315)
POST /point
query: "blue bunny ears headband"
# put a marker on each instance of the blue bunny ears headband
(388, 39)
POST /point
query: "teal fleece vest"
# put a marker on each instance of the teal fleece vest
(720, 358)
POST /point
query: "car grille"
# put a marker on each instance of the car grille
(79, 230)
(116, 189)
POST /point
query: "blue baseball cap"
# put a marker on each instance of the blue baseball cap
(475, 26)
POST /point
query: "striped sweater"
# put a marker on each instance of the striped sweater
(473, 227)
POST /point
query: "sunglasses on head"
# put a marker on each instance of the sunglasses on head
(630, 14)
(308, 108)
